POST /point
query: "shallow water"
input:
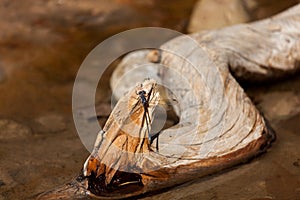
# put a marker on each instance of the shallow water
(41, 50)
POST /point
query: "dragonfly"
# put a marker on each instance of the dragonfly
(145, 102)
(145, 98)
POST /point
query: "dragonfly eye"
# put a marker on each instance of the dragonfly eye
(142, 96)
(142, 92)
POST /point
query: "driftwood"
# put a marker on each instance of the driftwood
(218, 125)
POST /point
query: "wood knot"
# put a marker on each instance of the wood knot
(154, 56)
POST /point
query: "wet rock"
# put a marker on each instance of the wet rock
(261, 9)
(103, 109)
(51, 123)
(2, 74)
(1, 183)
(263, 198)
(297, 163)
(6, 180)
(211, 14)
(10, 129)
(280, 105)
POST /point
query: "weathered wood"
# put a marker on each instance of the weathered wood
(219, 126)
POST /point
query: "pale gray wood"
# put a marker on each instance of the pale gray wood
(225, 127)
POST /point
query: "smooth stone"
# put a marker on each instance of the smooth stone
(280, 105)
(211, 14)
(2, 183)
(10, 129)
(51, 123)
(6, 180)
(103, 109)
(2, 74)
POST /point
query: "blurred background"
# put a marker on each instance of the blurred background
(42, 44)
